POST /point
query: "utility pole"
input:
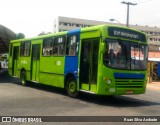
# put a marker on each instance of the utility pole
(128, 3)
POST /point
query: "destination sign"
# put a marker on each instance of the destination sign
(126, 33)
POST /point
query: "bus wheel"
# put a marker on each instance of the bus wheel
(23, 78)
(72, 88)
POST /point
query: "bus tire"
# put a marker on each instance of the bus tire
(23, 78)
(72, 88)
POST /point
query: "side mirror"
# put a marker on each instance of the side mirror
(102, 47)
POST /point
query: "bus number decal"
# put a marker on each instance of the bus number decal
(23, 62)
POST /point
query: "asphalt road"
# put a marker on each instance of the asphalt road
(41, 100)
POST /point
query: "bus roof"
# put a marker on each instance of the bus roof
(85, 29)
(39, 37)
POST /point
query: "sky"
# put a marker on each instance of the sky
(32, 17)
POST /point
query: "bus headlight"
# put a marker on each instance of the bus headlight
(108, 81)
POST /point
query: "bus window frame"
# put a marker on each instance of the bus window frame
(127, 41)
(64, 45)
(52, 43)
(69, 43)
(22, 48)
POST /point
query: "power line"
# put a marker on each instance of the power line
(128, 4)
(141, 2)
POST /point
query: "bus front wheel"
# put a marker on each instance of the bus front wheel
(72, 88)
(23, 78)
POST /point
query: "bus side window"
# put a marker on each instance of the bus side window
(47, 47)
(55, 47)
(72, 46)
(25, 48)
(59, 46)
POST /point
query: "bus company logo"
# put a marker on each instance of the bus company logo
(21, 119)
(58, 63)
(6, 119)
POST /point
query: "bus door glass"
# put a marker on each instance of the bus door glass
(35, 62)
(89, 63)
(15, 60)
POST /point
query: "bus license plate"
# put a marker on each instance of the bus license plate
(129, 92)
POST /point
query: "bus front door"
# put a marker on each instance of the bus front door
(89, 64)
(15, 60)
(35, 62)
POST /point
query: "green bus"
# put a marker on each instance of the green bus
(103, 60)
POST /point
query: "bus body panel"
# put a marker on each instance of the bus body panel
(25, 63)
(52, 71)
(130, 82)
(71, 65)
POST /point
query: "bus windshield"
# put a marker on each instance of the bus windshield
(122, 54)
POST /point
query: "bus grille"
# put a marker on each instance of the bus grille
(129, 83)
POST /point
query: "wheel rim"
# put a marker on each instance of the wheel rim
(23, 79)
(72, 87)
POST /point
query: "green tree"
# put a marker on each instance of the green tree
(20, 36)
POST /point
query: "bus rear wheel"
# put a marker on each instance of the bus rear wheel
(23, 78)
(72, 88)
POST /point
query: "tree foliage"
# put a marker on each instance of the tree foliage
(20, 36)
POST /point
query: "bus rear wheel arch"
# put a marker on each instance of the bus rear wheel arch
(71, 87)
